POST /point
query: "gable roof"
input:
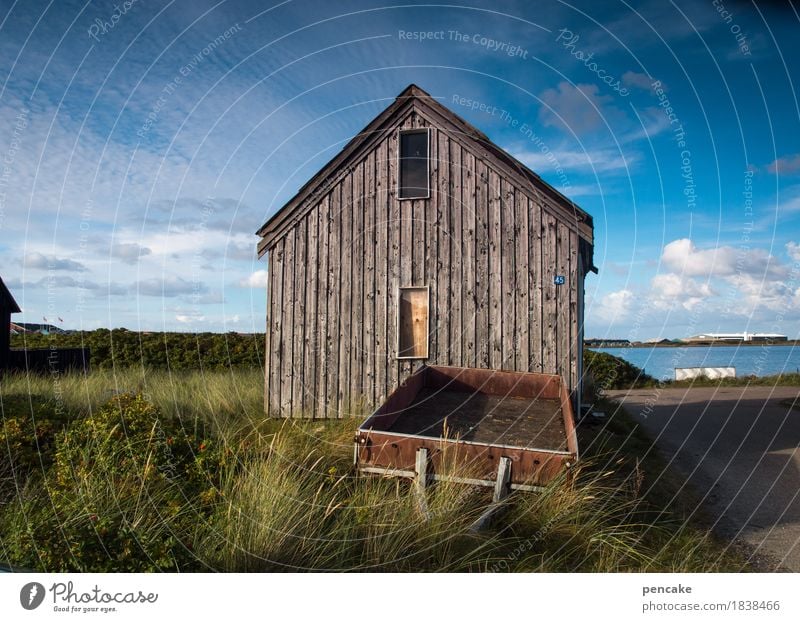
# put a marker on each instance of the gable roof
(7, 300)
(414, 96)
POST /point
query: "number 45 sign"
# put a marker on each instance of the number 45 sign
(559, 279)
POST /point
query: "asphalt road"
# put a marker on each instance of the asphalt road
(739, 448)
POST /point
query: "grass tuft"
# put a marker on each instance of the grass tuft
(150, 470)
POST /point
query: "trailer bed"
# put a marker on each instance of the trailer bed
(519, 421)
(484, 417)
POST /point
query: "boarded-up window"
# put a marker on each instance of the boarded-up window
(413, 164)
(412, 323)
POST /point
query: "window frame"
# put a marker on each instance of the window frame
(420, 130)
(399, 291)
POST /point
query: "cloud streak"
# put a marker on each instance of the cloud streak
(38, 261)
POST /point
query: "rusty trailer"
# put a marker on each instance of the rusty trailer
(510, 430)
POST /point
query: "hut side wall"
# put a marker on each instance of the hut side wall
(5, 337)
(487, 249)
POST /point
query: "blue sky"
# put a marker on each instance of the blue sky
(143, 143)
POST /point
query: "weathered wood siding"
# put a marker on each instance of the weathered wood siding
(487, 247)
(5, 336)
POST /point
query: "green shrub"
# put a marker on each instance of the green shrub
(611, 372)
(27, 436)
(126, 491)
(121, 348)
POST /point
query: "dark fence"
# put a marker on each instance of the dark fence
(49, 360)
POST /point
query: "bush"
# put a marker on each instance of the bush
(611, 372)
(27, 437)
(120, 348)
(125, 492)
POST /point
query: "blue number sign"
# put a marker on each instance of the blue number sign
(559, 279)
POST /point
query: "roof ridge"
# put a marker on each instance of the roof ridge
(405, 98)
(5, 293)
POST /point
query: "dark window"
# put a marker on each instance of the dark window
(414, 165)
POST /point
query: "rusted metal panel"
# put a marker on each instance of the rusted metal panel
(494, 382)
(377, 447)
(394, 405)
(398, 451)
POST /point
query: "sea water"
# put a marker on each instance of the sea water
(757, 360)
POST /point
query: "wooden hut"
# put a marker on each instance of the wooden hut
(7, 306)
(420, 243)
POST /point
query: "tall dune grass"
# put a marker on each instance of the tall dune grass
(260, 495)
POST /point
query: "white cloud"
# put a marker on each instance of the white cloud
(129, 252)
(189, 319)
(683, 257)
(638, 80)
(651, 122)
(596, 160)
(789, 206)
(786, 165)
(39, 261)
(577, 108)
(731, 281)
(169, 287)
(668, 290)
(257, 279)
(581, 190)
(793, 250)
(614, 306)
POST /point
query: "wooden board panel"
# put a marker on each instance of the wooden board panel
(356, 349)
(382, 221)
(524, 316)
(413, 322)
(334, 301)
(482, 301)
(469, 312)
(345, 309)
(562, 301)
(369, 242)
(4, 345)
(323, 318)
(289, 323)
(549, 265)
(300, 320)
(455, 250)
(310, 352)
(432, 272)
(395, 224)
(575, 343)
(509, 227)
(536, 343)
(273, 383)
(495, 274)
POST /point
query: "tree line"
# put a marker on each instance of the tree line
(158, 350)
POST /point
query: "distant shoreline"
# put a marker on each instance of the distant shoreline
(714, 344)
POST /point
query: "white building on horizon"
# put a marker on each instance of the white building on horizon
(737, 337)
